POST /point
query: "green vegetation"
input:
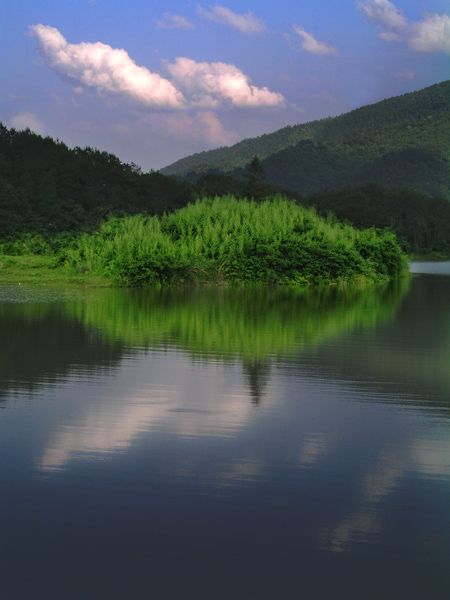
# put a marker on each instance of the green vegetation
(239, 242)
(255, 187)
(49, 193)
(35, 258)
(401, 141)
(421, 222)
(44, 271)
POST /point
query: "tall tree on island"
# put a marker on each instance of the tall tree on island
(255, 180)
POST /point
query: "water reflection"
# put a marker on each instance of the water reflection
(250, 324)
(41, 343)
(408, 356)
(70, 339)
(226, 444)
(152, 394)
(257, 374)
(314, 447)
(47, 334)
(393, 467)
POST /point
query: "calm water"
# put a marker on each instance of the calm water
(226, 444)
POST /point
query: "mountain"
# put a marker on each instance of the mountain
(47, 187)
(385, 165)
(401, 141)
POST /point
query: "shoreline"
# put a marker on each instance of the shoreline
(41, 270)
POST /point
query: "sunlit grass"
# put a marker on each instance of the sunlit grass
(35, 269)
(224, 240)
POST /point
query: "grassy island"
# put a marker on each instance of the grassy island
(219, 241)
(230, 241)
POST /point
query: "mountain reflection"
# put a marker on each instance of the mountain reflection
(412, 350)
(98, 332)
(41, 343)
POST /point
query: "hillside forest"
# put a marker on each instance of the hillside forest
(51, 190)
(399, 142)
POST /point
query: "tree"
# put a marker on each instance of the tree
(255, 177)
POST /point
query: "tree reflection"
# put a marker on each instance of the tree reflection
(257, 374)
(47, 339)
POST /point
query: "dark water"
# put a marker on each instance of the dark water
(226, 444)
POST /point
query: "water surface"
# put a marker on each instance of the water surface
(430, 267)
(229, 444)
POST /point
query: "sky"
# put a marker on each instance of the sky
(154, 81)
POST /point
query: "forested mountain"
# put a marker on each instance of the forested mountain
(47, 187)
(421, 222)
(401, 141)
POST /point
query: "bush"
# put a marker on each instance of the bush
(236, 241)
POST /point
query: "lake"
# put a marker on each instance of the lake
(226, 444)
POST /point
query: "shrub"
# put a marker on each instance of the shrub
(237, 241)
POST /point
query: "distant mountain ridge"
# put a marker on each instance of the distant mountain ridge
(400, 141)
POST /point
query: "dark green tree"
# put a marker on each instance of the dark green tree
(255, 180)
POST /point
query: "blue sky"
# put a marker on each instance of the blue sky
(154, 81)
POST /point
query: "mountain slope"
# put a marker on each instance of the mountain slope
(403, 140)
(47, 187)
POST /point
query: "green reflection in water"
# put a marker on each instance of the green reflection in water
(413, 350)
(250, 324)
(40, 341)
(43, 338)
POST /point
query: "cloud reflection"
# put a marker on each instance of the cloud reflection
(182, 409)
(420, 457)
(315, 447)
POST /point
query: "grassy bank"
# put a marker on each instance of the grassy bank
(236, 242)
(43, 270)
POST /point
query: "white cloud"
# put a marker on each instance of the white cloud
(213, 131)
(201, 127)
(247, 23)
(390, 36)
(192, 85)
(383, 13)
(310, 44)
(27, 120)
(211, 85)
(171, 21)
(405, 74)
(431, 34)
(106, 69)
